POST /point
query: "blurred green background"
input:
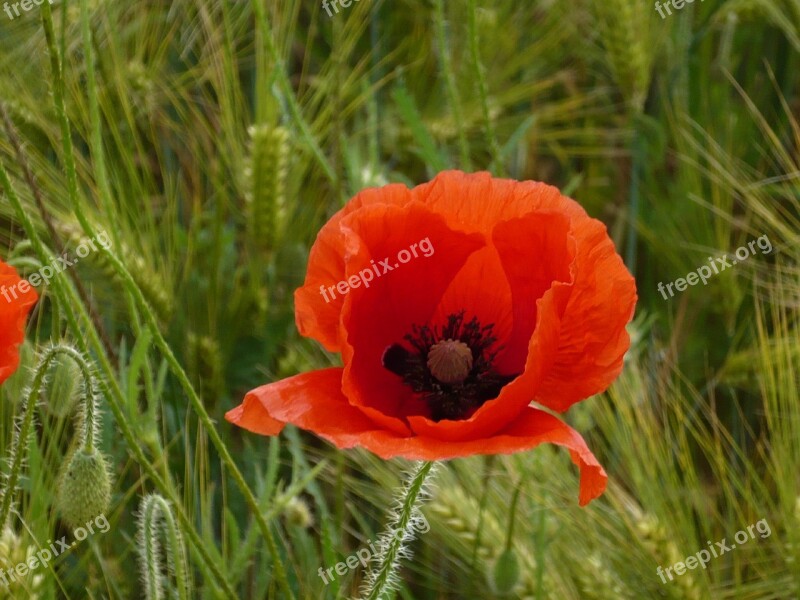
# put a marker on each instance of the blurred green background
(212, 139)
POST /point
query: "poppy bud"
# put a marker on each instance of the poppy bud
(84, 490)
(64, 388)
(505, 573)
(156, 517)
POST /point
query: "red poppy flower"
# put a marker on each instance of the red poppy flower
(16, 299)
(485, 295)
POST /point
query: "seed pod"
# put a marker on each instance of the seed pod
(84, 490)
(505, 574)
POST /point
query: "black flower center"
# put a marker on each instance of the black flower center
(451, 370)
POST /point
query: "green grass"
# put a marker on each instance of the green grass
(212, 140)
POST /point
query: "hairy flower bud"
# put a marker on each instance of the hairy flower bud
(64, 389)
(84, 490)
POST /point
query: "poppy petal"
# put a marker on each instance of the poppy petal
(592, 340)
(536, 252)
(377, 317)
(517, 395)
(252, 416)
(480, 290)
(15, 304)
(470, 202)
(315, 317)
(313, 401)
(478, 201)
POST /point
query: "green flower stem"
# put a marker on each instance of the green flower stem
(130, 286)
(25, 261)
(381, 580)
(155, 509)
(29, 410)
(84, 331)
(107, 203)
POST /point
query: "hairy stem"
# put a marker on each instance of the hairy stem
(380, 582)
(156, 510)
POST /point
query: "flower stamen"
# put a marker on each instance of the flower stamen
(453, 370)
(450, 361)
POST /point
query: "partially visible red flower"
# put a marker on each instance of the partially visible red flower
(16, 299)
(523, 299)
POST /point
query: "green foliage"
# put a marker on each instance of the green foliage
(213, 139)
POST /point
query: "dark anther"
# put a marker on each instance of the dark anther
(451, 370)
